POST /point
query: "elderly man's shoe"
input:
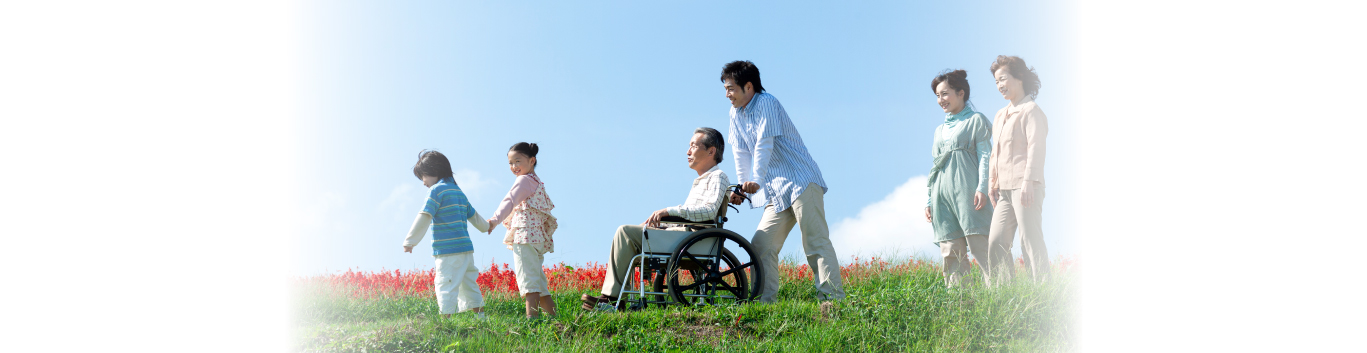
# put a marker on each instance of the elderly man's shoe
(592, 303)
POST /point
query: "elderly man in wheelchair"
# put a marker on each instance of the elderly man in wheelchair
(682, 251)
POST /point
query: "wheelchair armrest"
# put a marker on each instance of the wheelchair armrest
(686, 222)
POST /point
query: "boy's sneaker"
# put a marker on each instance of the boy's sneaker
(480, 316)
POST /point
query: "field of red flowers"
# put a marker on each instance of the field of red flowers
(494, 280)
(500, 280)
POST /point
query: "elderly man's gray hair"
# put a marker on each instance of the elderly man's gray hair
(712, 138)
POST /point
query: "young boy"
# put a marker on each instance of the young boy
(447, 211)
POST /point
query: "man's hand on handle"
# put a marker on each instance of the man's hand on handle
(749, 187)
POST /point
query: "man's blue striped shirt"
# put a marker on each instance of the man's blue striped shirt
(769, 151)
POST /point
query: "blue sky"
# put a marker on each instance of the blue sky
(612, 92)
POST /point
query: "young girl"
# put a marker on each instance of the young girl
(447, 211)
(526, 212)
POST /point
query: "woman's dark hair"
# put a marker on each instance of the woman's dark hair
(1016, 67)
(712, 138)
(432, 163)
(525, 149)
(742, 72)
(957, 79)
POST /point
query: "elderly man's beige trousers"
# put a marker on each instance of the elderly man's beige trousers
(625, 245)
(809, 213)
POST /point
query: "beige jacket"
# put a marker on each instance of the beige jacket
(1018, 133)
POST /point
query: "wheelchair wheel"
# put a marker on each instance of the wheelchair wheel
(691, 272)
(695, 278)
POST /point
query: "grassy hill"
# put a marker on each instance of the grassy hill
(899, 305)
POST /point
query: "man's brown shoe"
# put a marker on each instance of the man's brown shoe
(591, 303)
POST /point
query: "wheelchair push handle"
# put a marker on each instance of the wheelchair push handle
(739, 190)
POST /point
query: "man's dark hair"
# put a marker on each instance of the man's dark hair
(712, 138)
(432, 163)
(741, 72)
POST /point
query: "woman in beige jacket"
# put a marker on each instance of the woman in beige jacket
(1016, 172)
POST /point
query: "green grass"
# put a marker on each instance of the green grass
(907, 310)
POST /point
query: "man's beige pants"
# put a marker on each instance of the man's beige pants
(625, 245)
(955, 254)
(808, 213)
(1008, 215)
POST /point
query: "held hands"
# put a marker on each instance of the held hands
(492, 225)
(979, 200)
(654, 220)
(408, 249)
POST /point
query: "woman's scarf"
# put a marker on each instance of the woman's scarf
(951, 119)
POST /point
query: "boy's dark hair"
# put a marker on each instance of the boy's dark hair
(432, 163)
(1016, 67)
(742, 72)
(526, 149)
(712, 138)
(957, 79)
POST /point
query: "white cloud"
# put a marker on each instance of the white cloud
(404, 201)
(894, 225)
(477, 188)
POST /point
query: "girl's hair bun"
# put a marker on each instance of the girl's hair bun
(957, 79)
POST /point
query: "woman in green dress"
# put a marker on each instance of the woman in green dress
(957, 207)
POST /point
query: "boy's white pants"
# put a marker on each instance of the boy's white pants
(457, 289)
(527, 267)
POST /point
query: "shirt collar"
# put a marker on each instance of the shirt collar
(746, 110)
(960, 116)
(714, 169)
(1018, 107)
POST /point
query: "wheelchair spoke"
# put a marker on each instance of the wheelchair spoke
(710, 272)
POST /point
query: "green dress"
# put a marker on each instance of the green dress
(960, 151)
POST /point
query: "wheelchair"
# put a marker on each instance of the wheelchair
(693, 266)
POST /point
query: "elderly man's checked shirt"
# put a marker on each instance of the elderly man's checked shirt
(705, 198)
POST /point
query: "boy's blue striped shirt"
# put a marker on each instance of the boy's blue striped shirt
(449, 210)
